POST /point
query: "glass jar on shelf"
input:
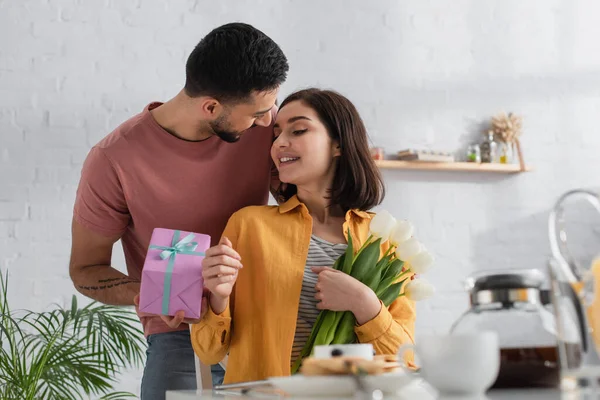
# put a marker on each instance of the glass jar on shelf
(473, 153)
(506, 153)
(377, 153)
(489, 148)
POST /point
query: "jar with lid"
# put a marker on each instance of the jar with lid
(509, 303)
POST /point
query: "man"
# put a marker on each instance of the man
(186, 164)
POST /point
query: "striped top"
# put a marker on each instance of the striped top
(321, 253)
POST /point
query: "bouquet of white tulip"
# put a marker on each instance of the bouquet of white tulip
(386, 275)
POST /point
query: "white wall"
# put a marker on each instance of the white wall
(422, 73)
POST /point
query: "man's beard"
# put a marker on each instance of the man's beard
(222, 130)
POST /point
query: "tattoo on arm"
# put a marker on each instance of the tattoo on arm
(112, 280)
(115, 282)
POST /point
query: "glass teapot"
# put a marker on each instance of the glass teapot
(509, 303)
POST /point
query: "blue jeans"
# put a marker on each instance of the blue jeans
(170, 365)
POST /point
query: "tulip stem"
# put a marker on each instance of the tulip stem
(402, 274)
(365, 244)
(387, 252)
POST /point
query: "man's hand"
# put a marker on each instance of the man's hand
(176, 320)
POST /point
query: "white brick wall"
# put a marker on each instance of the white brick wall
(422, 73)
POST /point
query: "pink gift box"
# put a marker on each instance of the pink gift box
(172, 274)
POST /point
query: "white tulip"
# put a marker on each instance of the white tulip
(402, 232)
(408, 249)
(382, 225)
(419, 289)
(421, 263)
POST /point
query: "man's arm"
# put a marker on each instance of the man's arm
(91, 271)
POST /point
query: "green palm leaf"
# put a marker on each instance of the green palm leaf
(118, 396)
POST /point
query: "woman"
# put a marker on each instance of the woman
(268, 278)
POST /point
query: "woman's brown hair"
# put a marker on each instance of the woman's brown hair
(357, 183)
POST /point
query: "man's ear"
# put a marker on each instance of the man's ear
(210, 107)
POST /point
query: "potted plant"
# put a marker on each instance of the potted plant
(66, 353)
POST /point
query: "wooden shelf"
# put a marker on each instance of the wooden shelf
(452, 166)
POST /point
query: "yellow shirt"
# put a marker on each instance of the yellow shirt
(257, 328)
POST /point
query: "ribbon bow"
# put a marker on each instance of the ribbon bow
(183, 246)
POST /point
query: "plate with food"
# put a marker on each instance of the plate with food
(344, 376)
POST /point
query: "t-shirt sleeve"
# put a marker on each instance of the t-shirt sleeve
(100, 201)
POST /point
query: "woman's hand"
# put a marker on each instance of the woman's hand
(341, 292)
(220, 270)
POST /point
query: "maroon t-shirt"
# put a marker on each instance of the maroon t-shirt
(140, 177)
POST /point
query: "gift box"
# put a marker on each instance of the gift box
(172, 274)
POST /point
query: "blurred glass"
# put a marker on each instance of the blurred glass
(574, 272)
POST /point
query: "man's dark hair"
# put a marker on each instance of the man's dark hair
(232, 61)
(357, 182)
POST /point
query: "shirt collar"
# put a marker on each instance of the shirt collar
(294, 202)
(289, 205)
